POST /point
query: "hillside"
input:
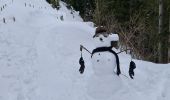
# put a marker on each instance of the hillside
(40, 51)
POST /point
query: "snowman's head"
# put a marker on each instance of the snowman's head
(102, 37)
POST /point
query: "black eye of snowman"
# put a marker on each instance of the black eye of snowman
(101, 39)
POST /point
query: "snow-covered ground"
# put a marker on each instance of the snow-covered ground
(39, 54)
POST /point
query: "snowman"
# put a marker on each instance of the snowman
(104, 54)
(104, 83)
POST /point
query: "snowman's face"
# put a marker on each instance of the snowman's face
(102, 39)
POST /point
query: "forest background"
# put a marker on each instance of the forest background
(143, 25)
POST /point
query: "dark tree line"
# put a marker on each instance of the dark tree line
(136, 21)
(55, 3)
(86, 7)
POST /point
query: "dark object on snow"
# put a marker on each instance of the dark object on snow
(100, 30)
(82, 67)
(109, 49)
(81, 61)
(132, 66)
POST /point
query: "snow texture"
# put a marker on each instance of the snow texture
(39, 53)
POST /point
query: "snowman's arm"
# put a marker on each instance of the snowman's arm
(123, 51)
(82, 47)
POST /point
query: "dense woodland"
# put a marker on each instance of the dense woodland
(55, 3)
(143, 25)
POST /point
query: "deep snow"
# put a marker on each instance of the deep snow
(39, 56)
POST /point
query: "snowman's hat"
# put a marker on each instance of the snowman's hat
(100, 31)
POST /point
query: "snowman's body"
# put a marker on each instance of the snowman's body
(104, 83)
(104, 63)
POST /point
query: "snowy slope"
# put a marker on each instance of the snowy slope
(39, 57)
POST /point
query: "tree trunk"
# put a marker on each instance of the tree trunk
(163, 32)
(160, 15)
(169, 40)
(98, 15)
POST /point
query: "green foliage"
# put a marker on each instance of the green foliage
(55, 3)
(86, 7)
(136, 22)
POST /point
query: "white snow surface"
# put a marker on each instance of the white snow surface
(39, 56)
